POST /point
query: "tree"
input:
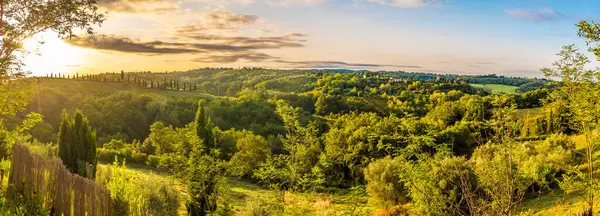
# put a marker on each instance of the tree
(202, 176)
(77, 145)
(122, 75)
(204, 127)
(591, 32)
(579, 95)
(252, 150)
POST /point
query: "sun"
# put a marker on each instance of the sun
(52, 56)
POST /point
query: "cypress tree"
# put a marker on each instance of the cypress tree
(204, 127)
(122, 75)
(65, 139)
(77, 145)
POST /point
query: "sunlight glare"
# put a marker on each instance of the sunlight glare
(53, 56)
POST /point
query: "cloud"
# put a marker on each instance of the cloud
(235, 57)
(228, 20)
(408, 3)
(265, 42)
(544, 14)
(215, 53)
(214, 22)
(218, 21)
(138, 6)
(129, 45)
(285, 3)
(338, 64)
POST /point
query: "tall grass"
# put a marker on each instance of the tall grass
(136, 193)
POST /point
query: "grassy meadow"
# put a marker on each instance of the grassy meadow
(497, 87)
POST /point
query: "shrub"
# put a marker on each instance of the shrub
(131, 156)
(252, 151)
(20, 205)
(435, 186)
(384, 184)
(153, 161)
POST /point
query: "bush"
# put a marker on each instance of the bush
(153, 161)
(20, 205)
(435, 186)
(383, 182)
(108, 155)
(138, 157)
(534, 169)
(252, 151)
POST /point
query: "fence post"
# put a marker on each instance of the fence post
(61, 190)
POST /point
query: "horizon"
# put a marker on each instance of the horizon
(468, 37)
(332, 70)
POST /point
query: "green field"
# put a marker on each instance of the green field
(496, 87)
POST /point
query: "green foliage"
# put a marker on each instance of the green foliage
(355, 140)
(577, 103)
(384, 182)
(204, 128)
(409, 139)
(252, 150)
(77, 145)
(134, 194)
(8, 137)
(118, 149)
(591, 32)
(19, 205)
(15, 96)
(304, 147)
(434, 185)
(256, 115)
(168, 148)
(274, 172)
(202, 177)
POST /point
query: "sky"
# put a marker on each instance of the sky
(505, 37)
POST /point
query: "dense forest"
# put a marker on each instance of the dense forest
(257, 141)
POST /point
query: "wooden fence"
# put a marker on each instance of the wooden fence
(61, 191)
